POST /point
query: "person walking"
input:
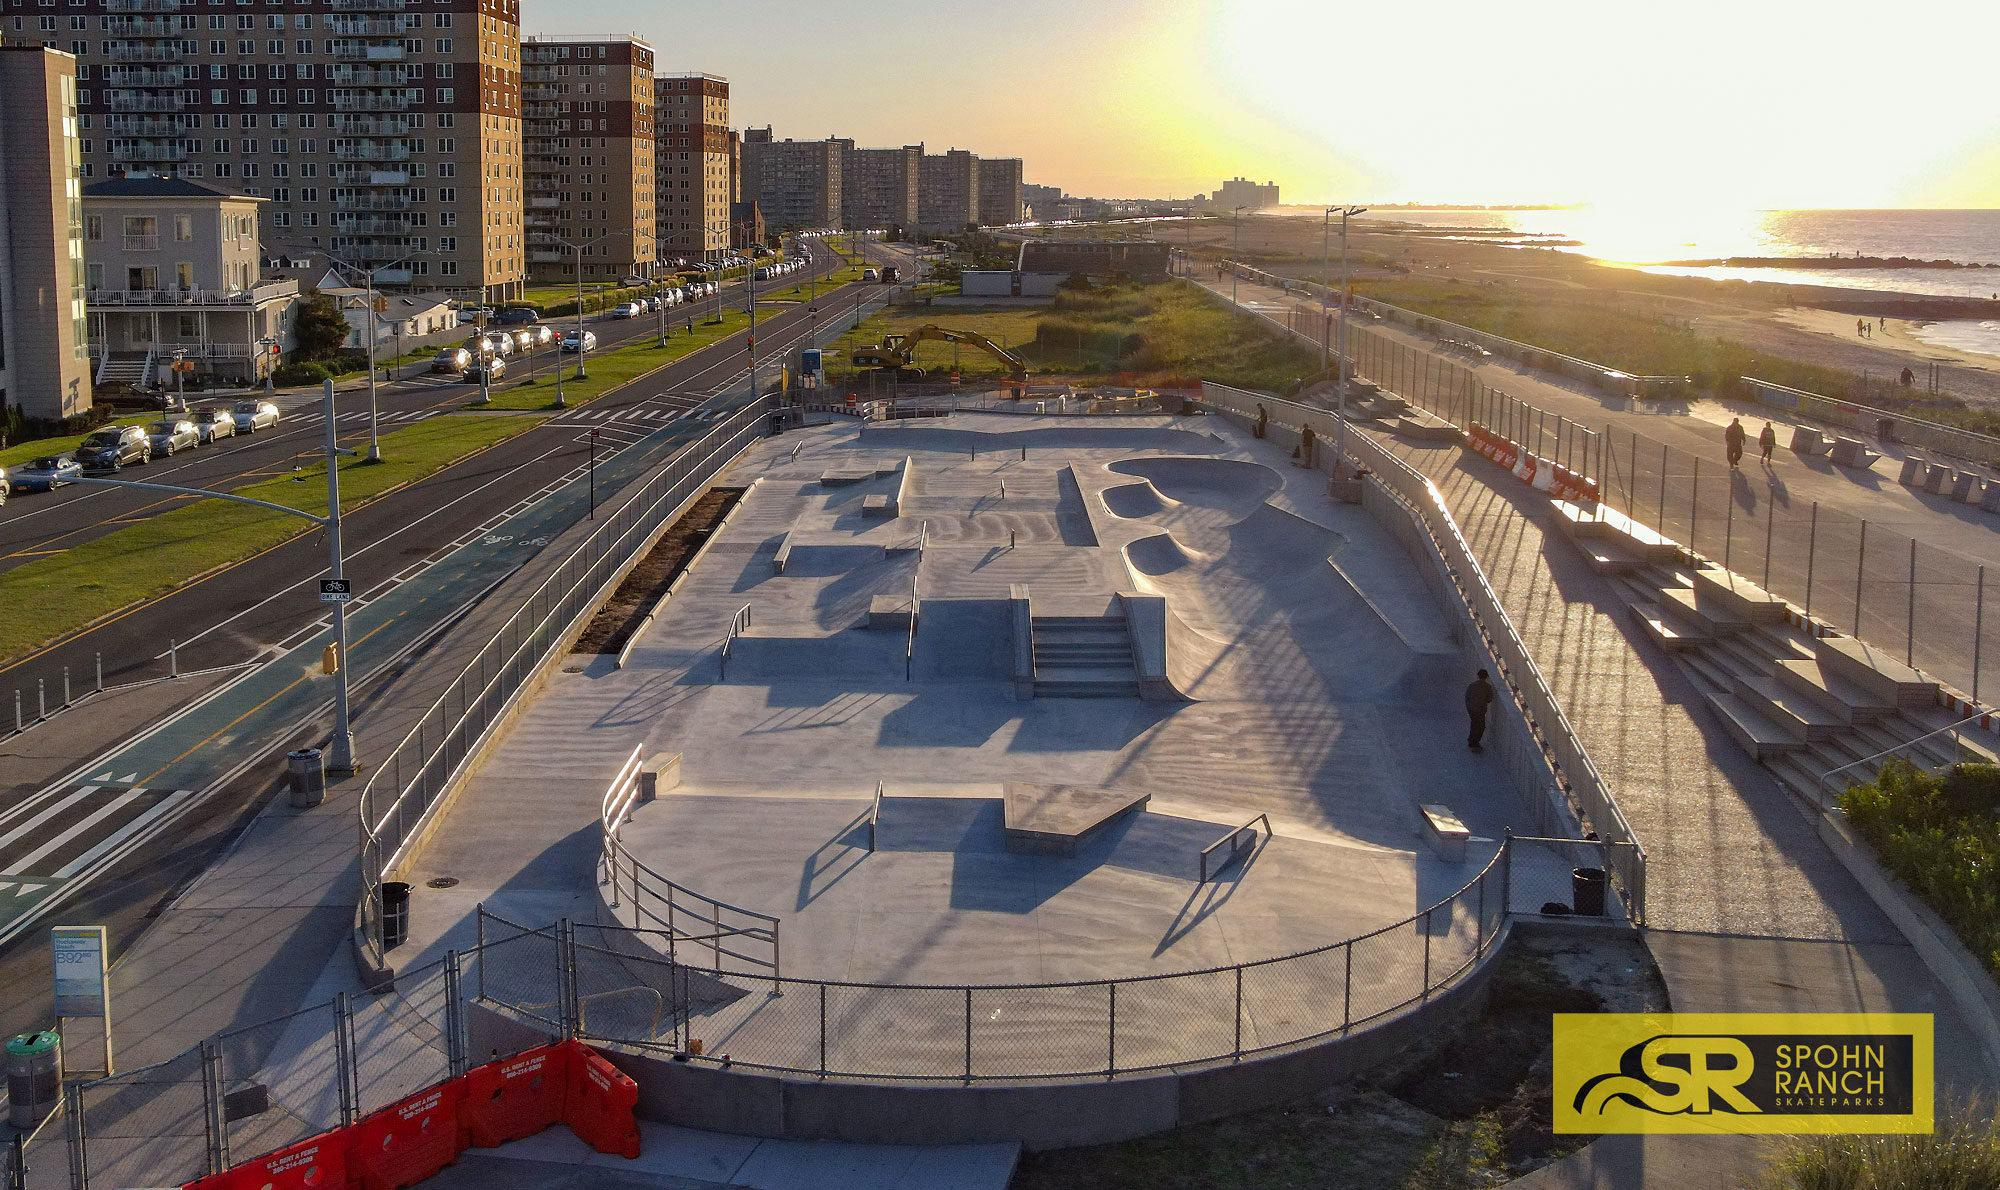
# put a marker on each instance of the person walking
(1767, 441)
(1733, 438)
(1478, 697)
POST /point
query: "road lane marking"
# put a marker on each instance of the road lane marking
(21, 866)
(22, 830)
(158, 810)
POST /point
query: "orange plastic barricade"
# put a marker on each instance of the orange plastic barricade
(515, 1097)
(318, 1163)
(409, 1140)
(600, 1102)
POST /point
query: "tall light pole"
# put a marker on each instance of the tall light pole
(1340, 440)
(577, 249)
(1236, 254)
(368, 272)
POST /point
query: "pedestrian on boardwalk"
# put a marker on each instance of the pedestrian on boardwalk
(1478, 697)
(1767, 441)
(1733, 439)
(1263, 419)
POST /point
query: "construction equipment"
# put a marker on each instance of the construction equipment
(897, 353)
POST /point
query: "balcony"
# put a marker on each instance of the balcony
(371, 150)
(145, 76)
(365, 5)
(366, 26)
(385, 250)
(372, 225)
(546, 257)
(140, 243)
(144, 5)
(368, 101)
(368, 76)
(133, 51)
(171, 151)
(366, 51)
(544, 204)
(371, 125)
(144, 26)
(144, 126)
(542, 111)
(532, 92)
(373, 177)
(372, 202)
(265, 291)
(145, 103)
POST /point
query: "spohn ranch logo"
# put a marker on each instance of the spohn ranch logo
(1745, 1072)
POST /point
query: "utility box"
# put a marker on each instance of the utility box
(34, 1077)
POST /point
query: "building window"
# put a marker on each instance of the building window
(142, 234)
(183, 228)
(93, 227)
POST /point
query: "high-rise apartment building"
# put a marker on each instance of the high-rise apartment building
(44, 358)
(693, 172)
(386, 133)
(797, 183)
(587, 130)
(1041, 200)
(948, 191)
(878, 187)
(999, 191)
(1242, 192)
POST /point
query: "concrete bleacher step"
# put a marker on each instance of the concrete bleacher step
(1875, 671)
(1789, 709)
(1089, 682)
(1758, 734)
(1083, 657)
(1836, 694)
(1607, 557)
(1670, 633)
(1581, 522)
(1737, 598)
(1685, 604)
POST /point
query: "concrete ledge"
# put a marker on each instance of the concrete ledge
(904, 485)
(889, 612)
(783, 555)
(878, 506)
(1022, 613)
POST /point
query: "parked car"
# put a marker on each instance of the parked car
(627, 310)
(489, 368)
(169, 436)
(252, 416)
(453, 361)
(579, 341)
(45, 474)
(6, 487)
(214, 422)
(112, 447)
(515, 316)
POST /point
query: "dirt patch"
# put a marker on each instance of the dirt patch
(620, 616)
(1469, 1110)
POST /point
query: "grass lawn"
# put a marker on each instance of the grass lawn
(35, 448)
(61, 593)
(1153, 335)
(607, 370)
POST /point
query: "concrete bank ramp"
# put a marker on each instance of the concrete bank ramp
(1161, 553)
(912, 436)
(1133, 501)
(1225, 485)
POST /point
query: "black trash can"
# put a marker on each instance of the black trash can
(395, 914)
(1885, 428)
(308, 778)
(34, 1077)
(1586, 890)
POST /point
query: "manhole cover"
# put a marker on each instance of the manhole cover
(441, 882)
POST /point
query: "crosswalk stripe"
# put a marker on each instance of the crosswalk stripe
(121, 834)
(21, 831)
(20, 867)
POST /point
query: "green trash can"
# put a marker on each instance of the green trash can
(34, 1077)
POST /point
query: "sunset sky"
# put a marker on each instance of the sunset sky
(1769, 103)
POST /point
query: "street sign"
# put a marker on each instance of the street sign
(80, 973)
(335, 590)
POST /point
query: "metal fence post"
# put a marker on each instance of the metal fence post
(100, 673)
(344, 1058)
(822, 1029)
(41, 700)
(1770, 524)
(454, 1017)
(1728, 528)
(968, 1033)
(1694, 508)
(1910, 630)
(1347, 987)
(79, 1164)
(1978, 627)
(1860, 568)
(1662, 526)
(1111, 1037)
(1427, 953)
(1479, 920)
(217, 1119)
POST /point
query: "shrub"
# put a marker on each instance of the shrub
(1938, 834)
(1964, 1151)
(294, 374)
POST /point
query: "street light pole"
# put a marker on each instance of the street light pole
(577, 249)
(1236, 253)
(1325, 290)
(374, 434)
(340, 749)
(1340, 440)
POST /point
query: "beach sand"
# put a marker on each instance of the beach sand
(1896, 337)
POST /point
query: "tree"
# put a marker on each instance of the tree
(320, 328)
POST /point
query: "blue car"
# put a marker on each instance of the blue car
(44, 474)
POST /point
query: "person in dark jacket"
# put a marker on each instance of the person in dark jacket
(1767, 441)
(1733, 438)
(1478, 697)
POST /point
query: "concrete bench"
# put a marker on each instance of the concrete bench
(1600, 521)
(1443, 831)
(878, 505)
(889, 612)
(1874, 671)
(1935, 478)
(1849, 452)
(1426, 427)
(1913, 471)
(1964, 487)
(1737, 598)
(1808, 441)
(838, 479)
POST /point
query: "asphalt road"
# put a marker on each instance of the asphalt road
(246, 610)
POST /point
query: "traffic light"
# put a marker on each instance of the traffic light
(329, 659)
(381, 305)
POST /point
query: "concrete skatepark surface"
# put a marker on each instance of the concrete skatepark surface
(1307, 704)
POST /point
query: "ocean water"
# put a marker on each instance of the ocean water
(1646, 239)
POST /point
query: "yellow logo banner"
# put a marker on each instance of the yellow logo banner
(1743, 1072)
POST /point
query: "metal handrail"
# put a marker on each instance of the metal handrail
(737, 623)
(1235, 848)
(1827, 776)
(874, 816)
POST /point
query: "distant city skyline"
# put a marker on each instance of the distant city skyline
(1559, 102)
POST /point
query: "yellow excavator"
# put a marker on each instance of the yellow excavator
(897, 353)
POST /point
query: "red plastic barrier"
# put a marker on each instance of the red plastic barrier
(409, 1140)
(515, 1097)
(600, 1102)
(319, 1163)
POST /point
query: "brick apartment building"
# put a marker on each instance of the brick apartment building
(587, 116)
(797, 183)
(384, 132)
(999, 191)
(44, 354)
(948, 191)
(878, 187)
(694, 172)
